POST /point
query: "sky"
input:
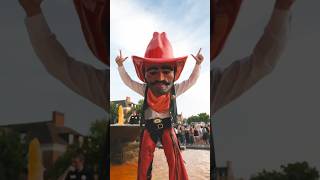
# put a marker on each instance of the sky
(188, 29)
(275, 122)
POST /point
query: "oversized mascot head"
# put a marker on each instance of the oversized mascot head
(159, 68)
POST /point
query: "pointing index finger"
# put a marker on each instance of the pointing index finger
(193, 56)
(120, 53)
(199, 51)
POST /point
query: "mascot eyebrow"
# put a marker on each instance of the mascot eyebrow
(163, 67)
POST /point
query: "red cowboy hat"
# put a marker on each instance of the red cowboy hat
(224, 14)
(159, 51)
(93, 19)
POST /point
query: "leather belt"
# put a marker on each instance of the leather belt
(159, 123)
(156, 126)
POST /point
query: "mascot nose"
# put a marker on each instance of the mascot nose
(160, 76)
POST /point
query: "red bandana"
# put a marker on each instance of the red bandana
(159, 104)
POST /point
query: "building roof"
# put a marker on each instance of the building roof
(124, 103)
(222, 171)
(47, 132)
(225, 171)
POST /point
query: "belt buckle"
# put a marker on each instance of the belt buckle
(160, 126)
(157, 120)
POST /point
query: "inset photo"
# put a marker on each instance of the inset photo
(160, 90)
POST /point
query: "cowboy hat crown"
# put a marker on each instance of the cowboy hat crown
(159, 51)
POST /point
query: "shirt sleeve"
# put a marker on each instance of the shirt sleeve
(82, 78)
(90, 175)
(67, 176)
(242, 74)
(187, 84)
(134, 85)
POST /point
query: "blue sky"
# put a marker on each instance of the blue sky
(188, 29)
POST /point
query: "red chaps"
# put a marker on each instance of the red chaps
(177, 170)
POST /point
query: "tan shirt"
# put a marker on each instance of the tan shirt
(139, 88)
(227, 84)
(82, 78)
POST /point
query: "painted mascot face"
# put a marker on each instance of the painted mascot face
(160, 78)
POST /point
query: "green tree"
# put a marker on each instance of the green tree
(300, 170)
(139, 106)
(294, 171)
(12, 154)
(204, 117)
(94, 148)
(113, 112)
(201, 117)
(266, 175)
(63, 162)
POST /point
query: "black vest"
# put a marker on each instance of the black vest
(172, 108)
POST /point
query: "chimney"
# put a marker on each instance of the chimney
(57, 118)
(229, 164)
(128, 99)
(230, 171)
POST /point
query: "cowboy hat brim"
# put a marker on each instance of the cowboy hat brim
(139, 63)
(93, 25)
(224, 15)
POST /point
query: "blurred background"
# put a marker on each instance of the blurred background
(277, 121)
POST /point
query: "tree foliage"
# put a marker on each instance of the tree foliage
(13, 155)
(201, 117)
(113, 112)
(62, 163)
(139, 106)
(94, 149)
(293, 171)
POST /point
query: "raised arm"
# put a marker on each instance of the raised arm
(135, 86)
(83, 79)
(187, 84)
(231, 82)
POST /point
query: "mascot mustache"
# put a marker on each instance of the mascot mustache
(160, 82)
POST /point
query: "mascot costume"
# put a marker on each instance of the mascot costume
(159, 69)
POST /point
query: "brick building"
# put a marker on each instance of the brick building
(225, 172)
(53, 135)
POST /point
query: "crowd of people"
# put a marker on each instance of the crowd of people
(187, 134)
(193, 134)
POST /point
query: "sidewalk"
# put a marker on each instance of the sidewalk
(199, 146)
(191, 146)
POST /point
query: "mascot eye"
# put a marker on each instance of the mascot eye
(166, 71)
(153, 72)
